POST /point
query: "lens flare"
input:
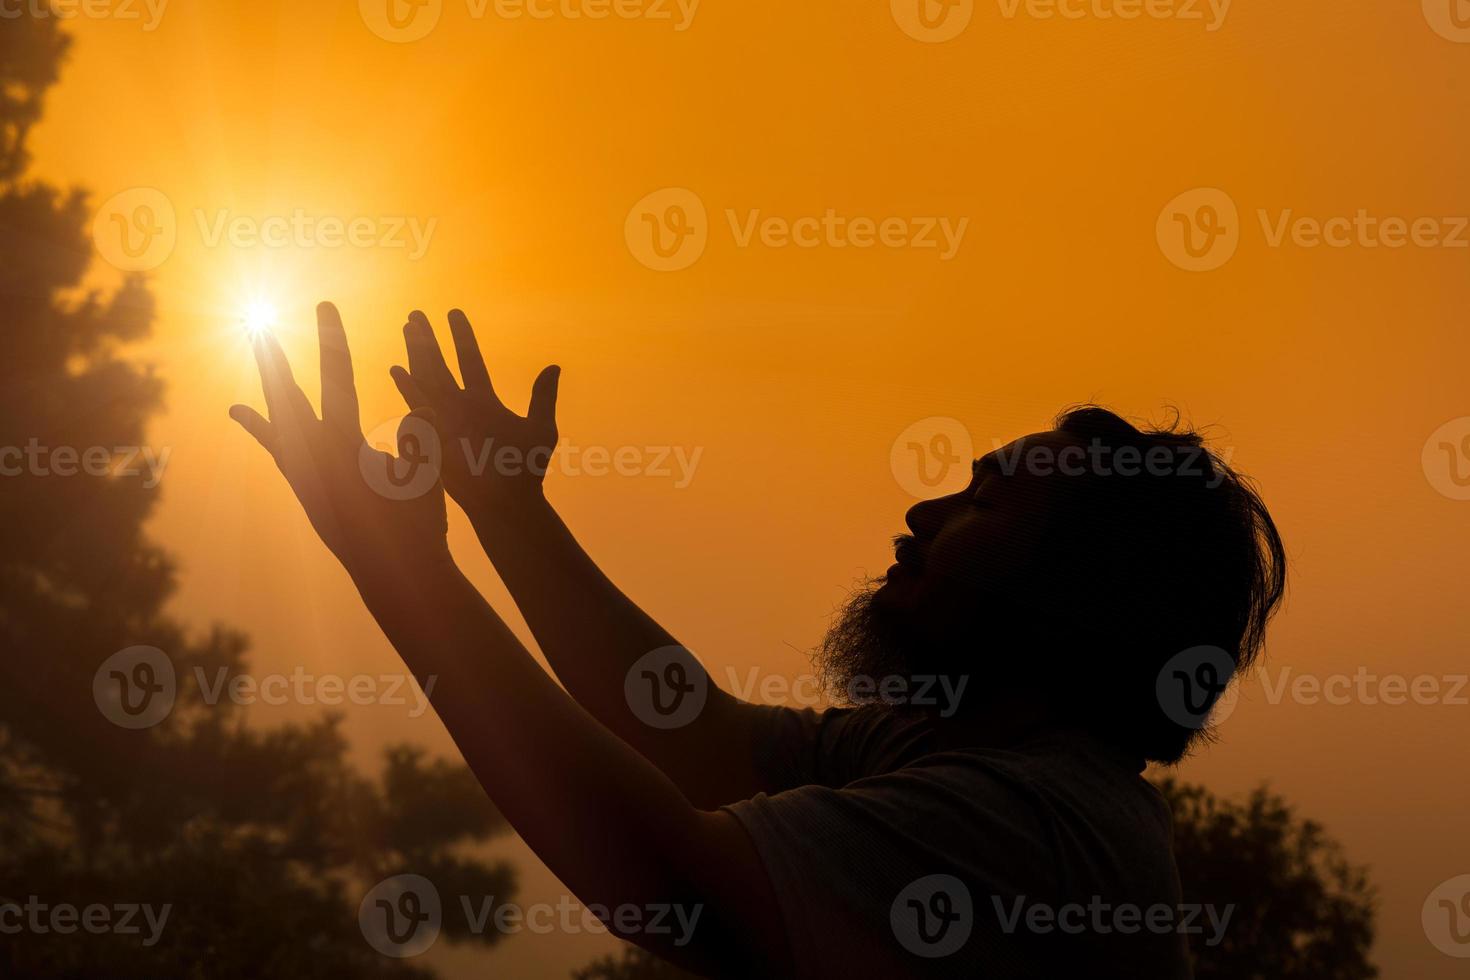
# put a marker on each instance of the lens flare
(258, 317)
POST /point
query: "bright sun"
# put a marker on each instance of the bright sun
(258, 316)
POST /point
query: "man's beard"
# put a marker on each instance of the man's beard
(866, 643)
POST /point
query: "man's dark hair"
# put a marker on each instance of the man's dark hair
(1171, 552)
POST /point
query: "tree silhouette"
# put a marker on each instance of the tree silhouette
(630, 963)
(1299, 910)
(263, 842)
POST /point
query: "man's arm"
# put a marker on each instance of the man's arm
(598, 641)
(602, 818)
(591, 633)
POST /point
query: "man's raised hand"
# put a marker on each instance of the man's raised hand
(365, 516)
(492, 456)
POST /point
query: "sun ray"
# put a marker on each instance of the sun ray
(259, 316)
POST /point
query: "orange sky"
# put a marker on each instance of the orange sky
(526, 142)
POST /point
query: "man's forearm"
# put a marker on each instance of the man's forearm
(550, 575)
(592, 635)
(604, 819)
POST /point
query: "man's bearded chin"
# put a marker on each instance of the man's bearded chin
(867, 642)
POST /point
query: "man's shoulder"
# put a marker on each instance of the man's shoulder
(1055, 822)
(839, 745)
(1067, 781)
(880, 748)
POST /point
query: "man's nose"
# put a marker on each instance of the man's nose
(927, 517)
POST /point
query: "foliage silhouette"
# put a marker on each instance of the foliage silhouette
(630, 963)
(262, 841)
(1301, 909)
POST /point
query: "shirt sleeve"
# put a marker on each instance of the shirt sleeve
(804, 747)
(794, 746)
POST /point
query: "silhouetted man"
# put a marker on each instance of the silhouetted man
(978, 811)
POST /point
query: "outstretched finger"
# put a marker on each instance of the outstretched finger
(283, 396)
(425, 359)
(467, 349)
(543, 396)
(339, 391)
(408, 387)
(254, 423)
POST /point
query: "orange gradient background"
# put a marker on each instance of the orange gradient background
(793, 370)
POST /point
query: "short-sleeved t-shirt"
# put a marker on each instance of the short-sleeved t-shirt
(891, 857)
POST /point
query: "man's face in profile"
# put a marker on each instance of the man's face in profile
(968, 576)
